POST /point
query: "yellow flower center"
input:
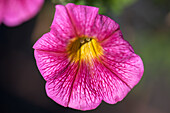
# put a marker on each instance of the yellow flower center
(84, 48)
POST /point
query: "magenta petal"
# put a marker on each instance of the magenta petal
(103, 27)
(85, 94)
(50, 63)
(60, 88)
(19, 11)
(82, 17)
(2, 4)
(62, 25)
(49, 42)
(115, 46)
(75, 88)
(112, 88)
(129, 70)
(120, 58)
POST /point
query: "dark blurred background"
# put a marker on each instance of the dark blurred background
(144, 23)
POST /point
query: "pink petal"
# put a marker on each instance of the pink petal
(50, 63)
(60, 88)
(116, 46)
(2, 4)
(19, 11)
(112, 88)
(62, 25)
(49, 42)
(103, 27)
(129, 70)
(85, 94)
(82, 17)
(75, 88)
(120, 58)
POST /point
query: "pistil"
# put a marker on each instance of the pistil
(84, 49)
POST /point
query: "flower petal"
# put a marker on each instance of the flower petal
(50, 63)
(129, 70)
(2, 4)
(85, 94)
(103, 27)
(120, 58)
(62, 25)
(19, 11)
(116, 46)
(82, 17)
(60, 88)
(112, 88)
(75, 88)
(49, 42)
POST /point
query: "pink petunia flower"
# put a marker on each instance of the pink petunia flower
(15, 12)
(85, 59)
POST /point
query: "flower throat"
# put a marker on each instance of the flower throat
(84, 49)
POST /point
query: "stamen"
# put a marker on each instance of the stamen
(84, 48)
(82, 41)
(87, 39)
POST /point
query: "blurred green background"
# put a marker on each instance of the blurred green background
(144, 23)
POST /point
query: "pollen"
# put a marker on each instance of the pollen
(84, 49)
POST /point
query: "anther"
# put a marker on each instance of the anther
(82, 41)
(87, 39)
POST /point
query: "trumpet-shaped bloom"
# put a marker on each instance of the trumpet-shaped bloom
(15, 12)
(85, 59)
